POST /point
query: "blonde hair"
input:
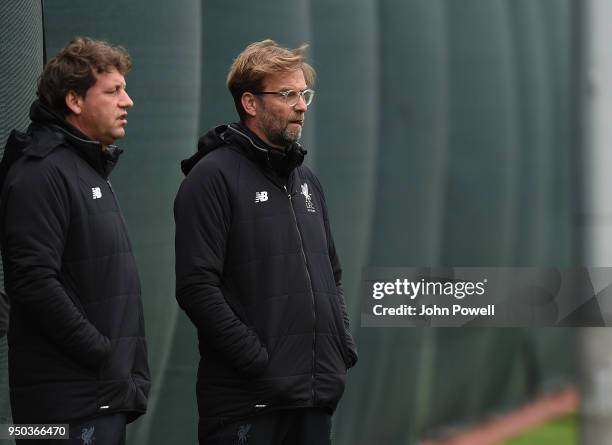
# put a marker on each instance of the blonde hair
(258, 60)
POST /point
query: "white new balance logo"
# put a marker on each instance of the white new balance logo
(96, 192)
(261, 196)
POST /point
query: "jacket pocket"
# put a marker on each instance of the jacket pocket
(117, 388)
(341, 331)
(69, 288)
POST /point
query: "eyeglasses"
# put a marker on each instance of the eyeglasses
(291, 97)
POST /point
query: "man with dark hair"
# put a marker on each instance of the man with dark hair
(77, 349)
(256, 266)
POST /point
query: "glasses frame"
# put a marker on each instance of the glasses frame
(285, 95)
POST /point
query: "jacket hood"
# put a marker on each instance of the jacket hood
(48, 131)
(282, 161)
(207, 143)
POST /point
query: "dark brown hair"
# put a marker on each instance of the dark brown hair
(260, 59)
(75, 67)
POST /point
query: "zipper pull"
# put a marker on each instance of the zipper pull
(287, 192)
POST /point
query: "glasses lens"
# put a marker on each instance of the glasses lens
(291, 97)
(308, 95)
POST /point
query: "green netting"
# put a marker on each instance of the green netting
(442, 133)
(21, 59)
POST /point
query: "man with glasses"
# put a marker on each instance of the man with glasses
(256, 267)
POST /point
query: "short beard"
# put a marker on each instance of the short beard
(282, 138)
(291, 136)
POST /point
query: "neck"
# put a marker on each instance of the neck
(73, 120)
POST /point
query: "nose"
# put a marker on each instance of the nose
(126, 101)
(300, 105)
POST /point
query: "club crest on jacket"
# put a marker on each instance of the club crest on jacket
(308, 197)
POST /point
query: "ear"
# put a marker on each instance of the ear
(74, 102)
(249, 104)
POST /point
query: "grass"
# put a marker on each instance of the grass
(562, 431)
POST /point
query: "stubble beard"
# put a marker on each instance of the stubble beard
(292, 136)
(281, 137)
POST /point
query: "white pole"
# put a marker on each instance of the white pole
(595, 101)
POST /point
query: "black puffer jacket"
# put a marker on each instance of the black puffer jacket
(257, 273)
(76, 334)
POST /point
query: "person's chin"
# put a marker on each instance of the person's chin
(119, 134)
(293, 136)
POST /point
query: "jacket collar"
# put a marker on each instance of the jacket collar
(280, 161)
(49, 130)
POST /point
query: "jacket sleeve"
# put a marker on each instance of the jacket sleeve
(337, 269)
(36, 218)
(202, 213)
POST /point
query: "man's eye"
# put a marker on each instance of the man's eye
(291, 94)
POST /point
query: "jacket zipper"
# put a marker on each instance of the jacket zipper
(297, 228)
(125, 226)
(314, 312)
(125, 229)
